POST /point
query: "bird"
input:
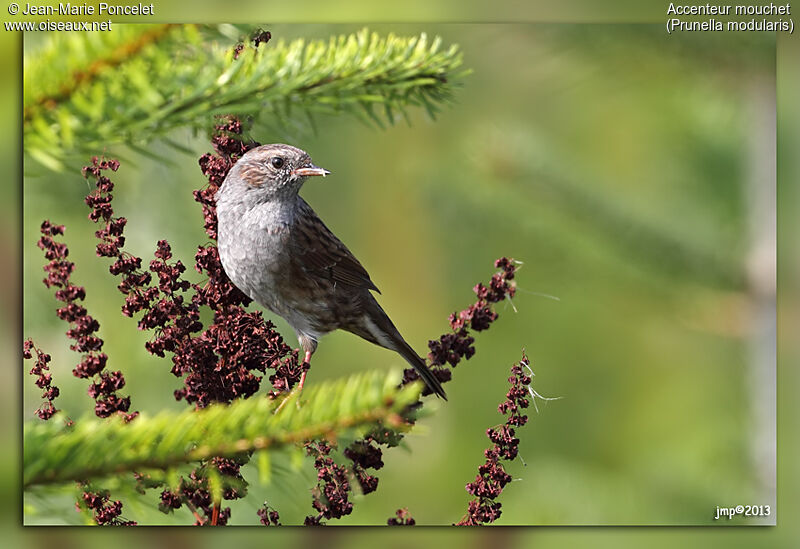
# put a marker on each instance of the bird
(277, 250)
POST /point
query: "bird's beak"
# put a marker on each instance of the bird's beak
(309, 170)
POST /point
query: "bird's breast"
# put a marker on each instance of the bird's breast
(253, 250)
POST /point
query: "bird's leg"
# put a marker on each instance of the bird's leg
(306, 360)
(306, 365)
(299, 388)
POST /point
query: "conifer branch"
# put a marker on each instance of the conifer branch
(89, 448)
(129, 90)
(71, 60)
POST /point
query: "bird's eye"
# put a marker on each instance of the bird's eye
(277, 162)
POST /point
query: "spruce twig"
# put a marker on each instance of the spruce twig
(130, 90)
(92, 448)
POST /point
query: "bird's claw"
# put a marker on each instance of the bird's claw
(288, 397)
(298, 390)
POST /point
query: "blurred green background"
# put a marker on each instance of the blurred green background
(620, 165)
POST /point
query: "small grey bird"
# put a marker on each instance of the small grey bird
(276, 250)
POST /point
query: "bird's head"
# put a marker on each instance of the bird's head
(271, 172)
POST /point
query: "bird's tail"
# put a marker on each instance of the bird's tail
(420, 366)
(378, 328)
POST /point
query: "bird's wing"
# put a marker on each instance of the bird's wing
(323, 255)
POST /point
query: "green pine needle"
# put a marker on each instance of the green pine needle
(90, 448)
(139, 83)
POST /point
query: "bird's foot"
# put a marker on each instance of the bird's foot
(299, 388)
(306, 366)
